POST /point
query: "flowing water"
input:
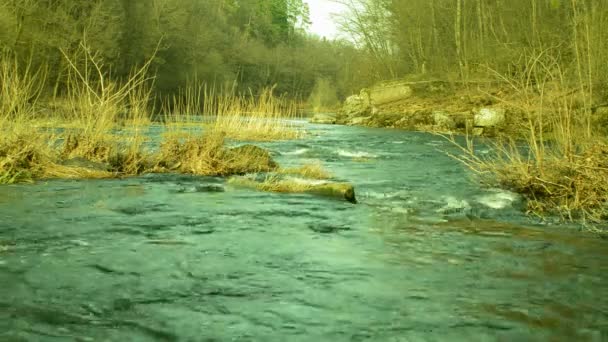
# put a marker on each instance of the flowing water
(426, 255)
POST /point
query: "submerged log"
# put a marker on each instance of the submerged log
(343, 191)
(337, 190)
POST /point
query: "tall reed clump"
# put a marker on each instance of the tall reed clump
(206, 154)
(24, 153)
(260, 118)
(98, 104)
(562, 166)
(263, 117)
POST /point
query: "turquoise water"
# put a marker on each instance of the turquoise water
(426, 255)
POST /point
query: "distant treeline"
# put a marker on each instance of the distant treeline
(472, 38)
(247, 44)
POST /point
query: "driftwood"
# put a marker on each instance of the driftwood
(337, 190)
(342, 191)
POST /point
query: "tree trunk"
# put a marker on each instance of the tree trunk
(458, 38)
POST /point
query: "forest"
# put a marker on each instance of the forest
(250, 44)
(256, 44)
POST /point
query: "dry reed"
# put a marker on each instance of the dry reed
(562, 167)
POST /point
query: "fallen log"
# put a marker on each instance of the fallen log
(343, 191)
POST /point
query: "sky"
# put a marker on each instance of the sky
(320, 16)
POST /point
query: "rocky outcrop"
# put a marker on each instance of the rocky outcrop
(358, 109)
(443, 120)
(426, 106)
(489, 117)
(354, 106)
(389, 92)
(487, 120)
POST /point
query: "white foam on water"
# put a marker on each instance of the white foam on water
(385, 195)
(435, 143)
(398, 142)
(452, 203)
(297, 152)
(401, 210)
(358, 154)
(498, 200)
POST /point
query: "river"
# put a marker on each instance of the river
(426, 255)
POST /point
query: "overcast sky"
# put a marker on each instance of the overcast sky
(320, 15)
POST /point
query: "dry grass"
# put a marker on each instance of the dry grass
(195, 155)
(264, 118)
(207, 155)
(20, 89)
(91, 110)
(59, 171)
(562, 167)
(23, 153)
(96, 105)
(23, 156)
(313, 170)
(574, 187)
(274, 183)
(244, 117)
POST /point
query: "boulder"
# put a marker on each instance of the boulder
(386, 93)
(443, 120)
(477, 131)
(324, 118)
(415, 119)
(489, 117)
(368, 101)
(385, 119)
(356, 105)
(462, 120)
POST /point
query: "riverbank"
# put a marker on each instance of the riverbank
(550, 141)
(483, 108)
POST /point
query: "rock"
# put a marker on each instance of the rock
(384, 119)
(415, 119)
(477, 131)
(443, 120)
(387, 93)
(489, 117)
(357, 105)
(368, 102)
(324, 118)
(462, 120)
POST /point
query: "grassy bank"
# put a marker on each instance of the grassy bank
(559, 158)
(95, 128)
